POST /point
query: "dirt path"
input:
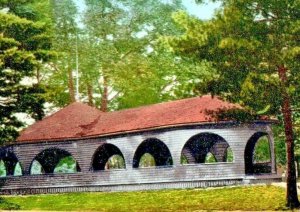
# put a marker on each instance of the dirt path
(283, 185)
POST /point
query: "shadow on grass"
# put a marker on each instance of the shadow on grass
(5, 205)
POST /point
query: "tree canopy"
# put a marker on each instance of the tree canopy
(23, 48)
(254, 47)
(121, 62)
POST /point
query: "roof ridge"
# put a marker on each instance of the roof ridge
(68, 106)
(161, 103)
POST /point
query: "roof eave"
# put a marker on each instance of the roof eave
(118, 133)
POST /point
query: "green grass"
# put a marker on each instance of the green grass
(234, 198)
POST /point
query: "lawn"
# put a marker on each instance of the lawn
(234, 198)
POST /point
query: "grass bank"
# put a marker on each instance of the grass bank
(235, 198)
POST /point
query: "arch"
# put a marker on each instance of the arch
(229, 155)
(10, 161)
(36, 168)
(2, 169)
(103, 158)
(18, 169)
(200, 146)
(184, 159)
(49, 158)
(210, 158)
(66, 165)
(147, 160)
(253, 163)
(155, 147)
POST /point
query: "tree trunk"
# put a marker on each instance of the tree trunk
(71, 86)
(104, 99)
(291, 192)
(90, 94)
(38, 75)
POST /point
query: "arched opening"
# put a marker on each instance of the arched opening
(258, 154)
(147, 160)
(115, 162)
(9, 164)
(54, 160)
(18, 170)
(206, 148)
(2, 169)
(36, 168)
(184, 159)
(66, 165)
(158, 151)
(229, 155)
(210, 158)
(108, 156)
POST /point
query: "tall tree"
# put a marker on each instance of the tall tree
(58, 77)
(119, 54)
(23, 46)
(121, 62)
(122, 33)
(254, 45)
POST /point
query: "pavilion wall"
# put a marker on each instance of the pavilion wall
(176, 176)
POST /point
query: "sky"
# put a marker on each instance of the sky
(203, 11)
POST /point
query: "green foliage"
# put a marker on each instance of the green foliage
(36, 168)
(5, 205)
(66, 165)
(262, 150)
(19, 7)
(121, 59)
(229, 155)
(147, 160)
(246, 43)
(134, 67)
(237, 114)
(2, 169)
(18, 170)
(183, 159)
(21, 44)
(115, 162)
(249, 198)
(210, 158)
(280, 146)
(57, 78)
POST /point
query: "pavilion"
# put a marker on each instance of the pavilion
(179, 135)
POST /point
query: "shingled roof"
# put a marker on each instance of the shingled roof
(82, 121)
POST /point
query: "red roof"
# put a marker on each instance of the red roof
(79, 120)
